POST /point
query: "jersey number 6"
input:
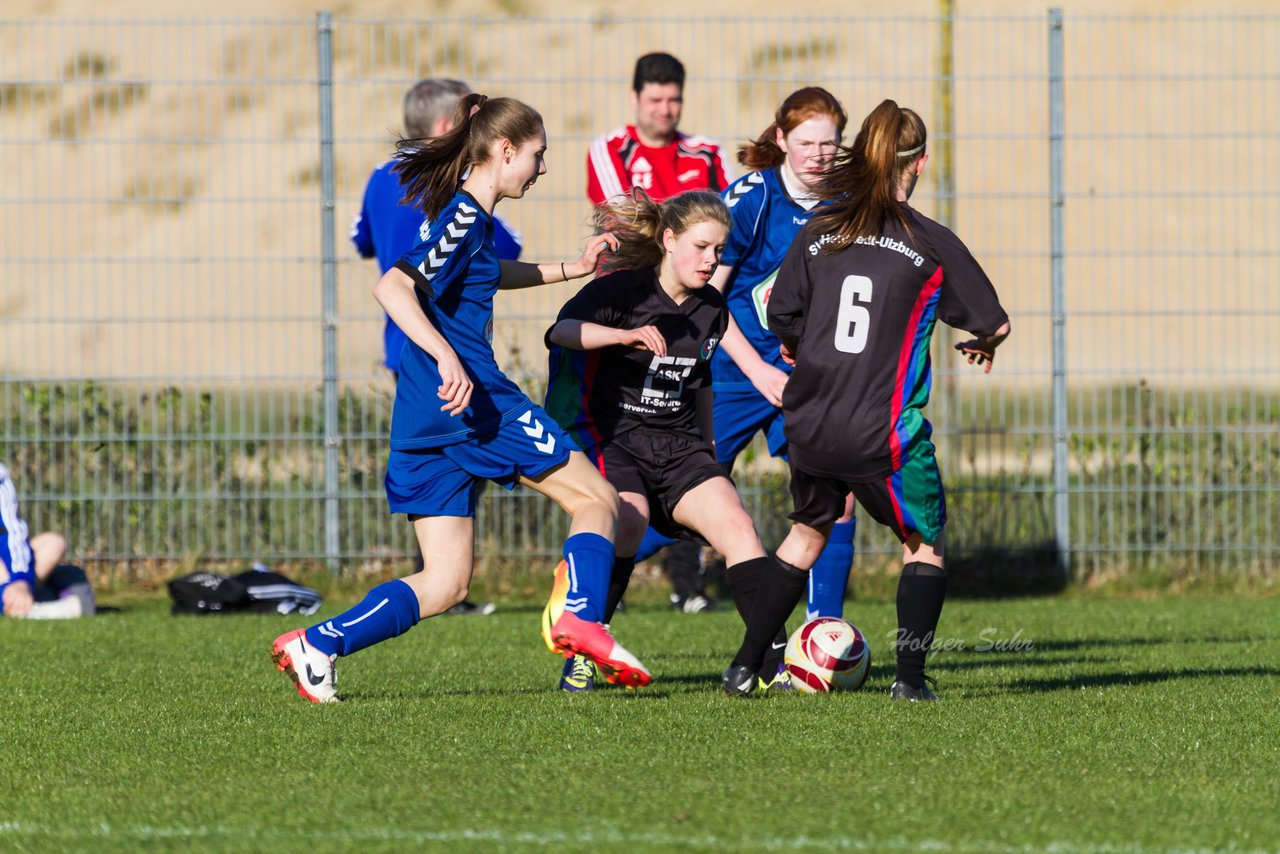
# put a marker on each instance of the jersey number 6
(851, 323)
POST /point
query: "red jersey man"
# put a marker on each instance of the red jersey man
(652, 154)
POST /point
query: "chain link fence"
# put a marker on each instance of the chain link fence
(190, 355)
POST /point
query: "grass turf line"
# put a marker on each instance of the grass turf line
(1126, 726)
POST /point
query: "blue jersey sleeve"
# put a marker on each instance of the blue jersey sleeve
(746, 201)
(790, 298)
(506, 240)
(361, 233)
(16, 562)
(440, 260)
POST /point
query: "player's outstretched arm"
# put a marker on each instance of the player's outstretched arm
(395, 293)
(584, 335)
(523, 274)
(982, 350)
(767, 379)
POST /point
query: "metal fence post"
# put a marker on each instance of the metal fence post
(1061, 494)
(946, 132)
(943, 145)
(328, 279)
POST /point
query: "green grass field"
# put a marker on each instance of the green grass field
(1127, 726)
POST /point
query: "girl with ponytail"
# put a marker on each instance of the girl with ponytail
(458, 420)
(854, 305)
(770, 206)
(631, 383)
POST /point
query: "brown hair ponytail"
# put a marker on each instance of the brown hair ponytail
(800, 105)
(862, 184)
(430, 170)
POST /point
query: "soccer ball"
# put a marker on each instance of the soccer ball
(827, 654)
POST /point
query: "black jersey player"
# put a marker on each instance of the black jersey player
(631, 383)
(854, 305)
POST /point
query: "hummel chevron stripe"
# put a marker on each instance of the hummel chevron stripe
(748, 184)
(449, 241)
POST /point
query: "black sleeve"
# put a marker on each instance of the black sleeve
(601, 301)
(790, 296)
(968, 300)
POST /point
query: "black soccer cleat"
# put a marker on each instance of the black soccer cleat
(739, 681)
(903, 691)
(467, 608)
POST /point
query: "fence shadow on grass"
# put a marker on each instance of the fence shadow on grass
(1198, 640)
(996, 572)
(1132, 678)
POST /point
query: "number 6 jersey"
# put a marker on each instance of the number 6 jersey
(595, 395)
(863, 316)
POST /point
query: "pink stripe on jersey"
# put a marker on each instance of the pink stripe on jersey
(588, 383)
(904, 365)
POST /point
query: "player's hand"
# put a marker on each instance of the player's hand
(770, 382)
(18, 599)
(455, 386)
(787, 354)
(979, 351)
(596, 246)
(644, 338)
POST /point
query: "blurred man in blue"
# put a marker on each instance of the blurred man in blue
(386, 229)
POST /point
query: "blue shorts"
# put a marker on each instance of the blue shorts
(738, 415)
(447, 481)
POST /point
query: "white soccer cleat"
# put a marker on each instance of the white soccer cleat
(75, 602)
(309, 668)
(59, 609)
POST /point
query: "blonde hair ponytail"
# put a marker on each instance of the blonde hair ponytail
(639, 223)
(862, 184)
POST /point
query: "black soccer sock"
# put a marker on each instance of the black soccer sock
(744, 581)
(781, 586)
(682, 565)
(921, 591)
(619, 578)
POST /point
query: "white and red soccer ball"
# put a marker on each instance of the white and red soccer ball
(827, 654)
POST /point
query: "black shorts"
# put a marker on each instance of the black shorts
(909, 501)
(662, 466)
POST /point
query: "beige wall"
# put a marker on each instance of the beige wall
(143, 189)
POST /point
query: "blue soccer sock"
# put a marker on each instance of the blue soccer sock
(590, 558)
(652, 543)
(388, 610)
(830, 574)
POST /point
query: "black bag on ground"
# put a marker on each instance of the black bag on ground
(207, 593)
(257, 591)
(270, 591)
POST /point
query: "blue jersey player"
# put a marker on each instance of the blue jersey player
(769, 206)
(441, 295)
(34, 584)
(386, 227)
